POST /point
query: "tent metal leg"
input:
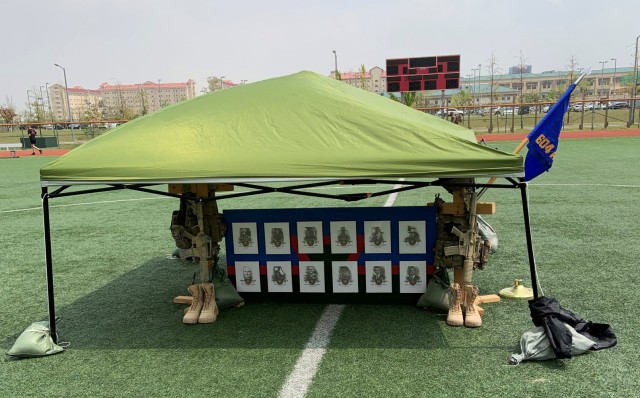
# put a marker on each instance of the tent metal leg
(527, 228)
(49, 263)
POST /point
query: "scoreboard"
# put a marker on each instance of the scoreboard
(423, 73)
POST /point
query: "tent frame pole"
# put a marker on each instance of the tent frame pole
(527, 229)
(45, 196)
(49, 264)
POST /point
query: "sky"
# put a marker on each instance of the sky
(133, 41)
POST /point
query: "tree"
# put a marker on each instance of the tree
(409, 98)
(627, 82)
(8, 111)
(143, 98)
(338, 75)
(393, 97)
(462, 98)
(363, 77)
(214, 83)
(521, 66)
(493, 69)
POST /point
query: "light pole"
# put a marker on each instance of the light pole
(479, 88)
(601, 74)
(632, 109)
(615, 68)
(335, 63)
(66, 90)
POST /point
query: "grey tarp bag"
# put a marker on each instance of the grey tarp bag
(35, 341)
(488, 233)
(535, 345)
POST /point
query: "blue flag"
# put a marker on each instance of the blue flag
(543, 139)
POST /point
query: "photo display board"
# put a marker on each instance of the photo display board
(365, 254)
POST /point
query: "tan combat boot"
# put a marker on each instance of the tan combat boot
(193, 312)
(472, 318)
(209, 311)
(454, 318)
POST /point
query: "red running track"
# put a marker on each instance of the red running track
(486, 137)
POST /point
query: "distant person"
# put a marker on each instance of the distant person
(32, 139)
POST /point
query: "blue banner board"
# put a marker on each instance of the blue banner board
(330, 254)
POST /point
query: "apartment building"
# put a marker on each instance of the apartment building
(506, 88)
(605, 83)
(374, 80)
(117, 101)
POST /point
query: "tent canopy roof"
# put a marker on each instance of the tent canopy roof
(301, 126)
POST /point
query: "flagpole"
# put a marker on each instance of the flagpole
(525, 141)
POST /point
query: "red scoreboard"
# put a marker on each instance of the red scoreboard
(423, 73)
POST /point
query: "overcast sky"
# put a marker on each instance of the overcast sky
(133, 41)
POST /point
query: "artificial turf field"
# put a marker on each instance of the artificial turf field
(115, 284)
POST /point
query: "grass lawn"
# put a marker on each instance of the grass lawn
(115, 285)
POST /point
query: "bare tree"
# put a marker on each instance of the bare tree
(521, 66)
(493, 69)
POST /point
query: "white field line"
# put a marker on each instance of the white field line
(81, 204)
(389, 200)
(152, 198)
(393, 196)
(305, 369)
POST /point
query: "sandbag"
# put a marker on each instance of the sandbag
(226, 294)
(436, 295)
(35, 341)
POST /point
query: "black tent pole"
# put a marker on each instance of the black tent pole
(49, 263)
(527, 229)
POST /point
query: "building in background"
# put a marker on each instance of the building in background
(374, 80)
(608, 83)
(123, 101)
(516, 70)
(119, 101)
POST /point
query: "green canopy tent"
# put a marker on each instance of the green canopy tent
(301, 127)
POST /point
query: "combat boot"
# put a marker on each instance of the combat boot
(193, 312)
(472, 318)
(209, 311)
(454, 318)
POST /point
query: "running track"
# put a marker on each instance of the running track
(486, 137)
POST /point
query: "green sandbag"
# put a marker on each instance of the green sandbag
(436, 295)
(35, 341)
(226, 294)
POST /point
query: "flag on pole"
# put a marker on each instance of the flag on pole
(543, 139)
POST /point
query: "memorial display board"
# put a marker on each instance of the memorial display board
(366, 254)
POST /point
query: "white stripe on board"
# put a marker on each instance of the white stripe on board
(306, 367)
